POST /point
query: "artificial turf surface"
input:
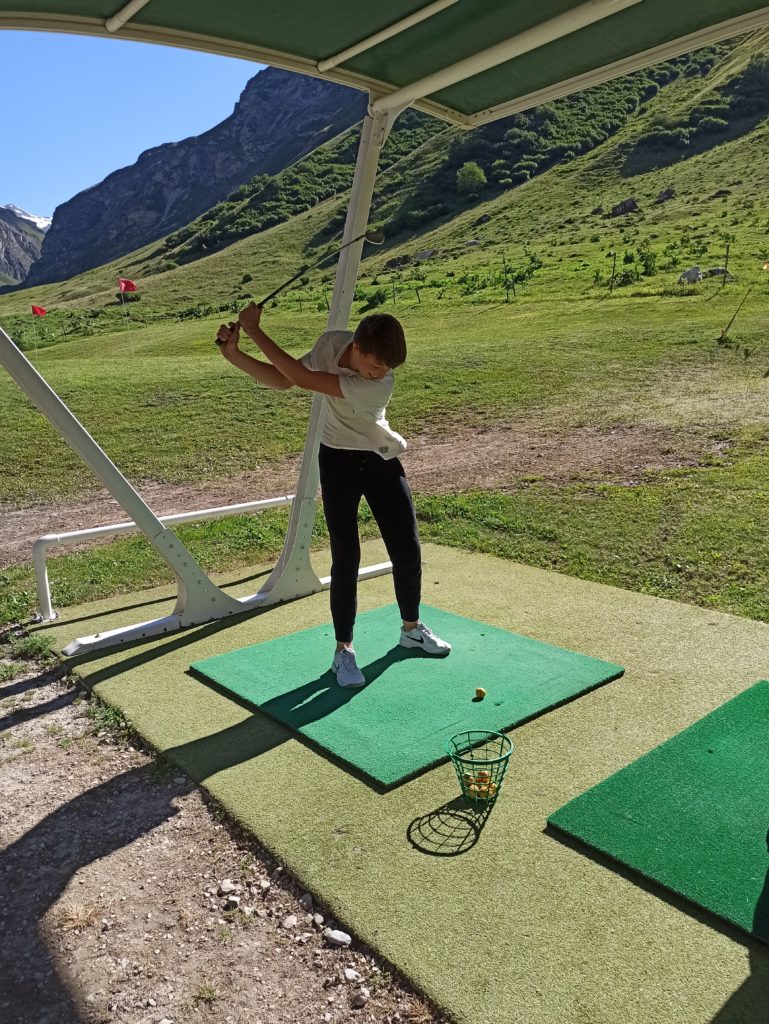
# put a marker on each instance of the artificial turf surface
(398, 723)
(692, 813)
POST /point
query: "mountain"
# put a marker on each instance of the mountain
(21, 240)
(42, 223)
(279, 117)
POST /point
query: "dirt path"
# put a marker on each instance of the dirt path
(114, 908)
(499, 458)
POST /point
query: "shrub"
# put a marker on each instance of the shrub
(374, 299)
(470, 178)
(627, 276)
(709, 125)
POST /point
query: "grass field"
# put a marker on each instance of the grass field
(694, 534)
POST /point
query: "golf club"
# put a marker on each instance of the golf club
(373, 237)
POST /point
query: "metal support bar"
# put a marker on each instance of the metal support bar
(293, 575)
(386, 33)
(42, 544)
(198, 600)
(627, 65)
(548, 31)
(124, 15)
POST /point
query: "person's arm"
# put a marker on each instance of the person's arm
(292, 369)
(227, 340)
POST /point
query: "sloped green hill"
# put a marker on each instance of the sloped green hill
(697, 188)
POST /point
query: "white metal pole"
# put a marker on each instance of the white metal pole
(198, 599)
(386, 33)
(293, 575)
(124, 15)
(546, 32)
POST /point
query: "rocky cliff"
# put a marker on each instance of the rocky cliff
(20, 244)
(279, 117)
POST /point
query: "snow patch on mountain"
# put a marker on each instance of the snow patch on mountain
(42, 223)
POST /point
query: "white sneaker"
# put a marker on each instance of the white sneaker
(345, 668)
(422, 636)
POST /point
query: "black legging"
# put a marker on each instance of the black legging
(345, 477)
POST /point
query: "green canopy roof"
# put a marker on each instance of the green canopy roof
(468, 61)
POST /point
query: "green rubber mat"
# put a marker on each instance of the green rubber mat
(396, 726)
(693, 813)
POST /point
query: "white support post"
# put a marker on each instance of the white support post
(293, 575)
(198, 600)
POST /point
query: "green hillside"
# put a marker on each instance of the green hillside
(635, 138)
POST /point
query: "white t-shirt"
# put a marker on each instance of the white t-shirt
(356, 421)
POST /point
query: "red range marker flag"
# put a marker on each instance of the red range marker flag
(125, 285)
(38, 311)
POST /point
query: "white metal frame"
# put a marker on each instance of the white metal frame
(199, 600)
(41, 546)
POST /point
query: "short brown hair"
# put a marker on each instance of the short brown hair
(381, 335)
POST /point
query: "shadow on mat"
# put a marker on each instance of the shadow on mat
(751, 999)
(36, 870)
(748, 1004)
(322, 696)
(449, 830)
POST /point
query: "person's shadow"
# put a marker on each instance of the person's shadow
(750, 1003)
(36, 869)
(318, 697)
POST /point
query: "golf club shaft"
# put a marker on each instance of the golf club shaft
(310, 266)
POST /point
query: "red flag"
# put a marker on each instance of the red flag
(38, 311)
(126, 285)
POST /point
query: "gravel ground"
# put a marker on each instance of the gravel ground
(127, 897)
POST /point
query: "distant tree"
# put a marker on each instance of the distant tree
(470, 178)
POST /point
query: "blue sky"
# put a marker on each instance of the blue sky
(77, 108)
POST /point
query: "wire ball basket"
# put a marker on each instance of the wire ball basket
(480, 760)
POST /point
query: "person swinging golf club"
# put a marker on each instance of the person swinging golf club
(358, 457)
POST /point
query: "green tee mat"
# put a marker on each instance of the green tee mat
(693, 813)
(397, 725)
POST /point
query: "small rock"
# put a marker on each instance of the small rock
(277, 872)
(264, 885)
(318, 920)
(336, 937)
(351, 975)
(306, 901)
(360, 998)
(290, 921)
(226, 887)
(232, 902)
